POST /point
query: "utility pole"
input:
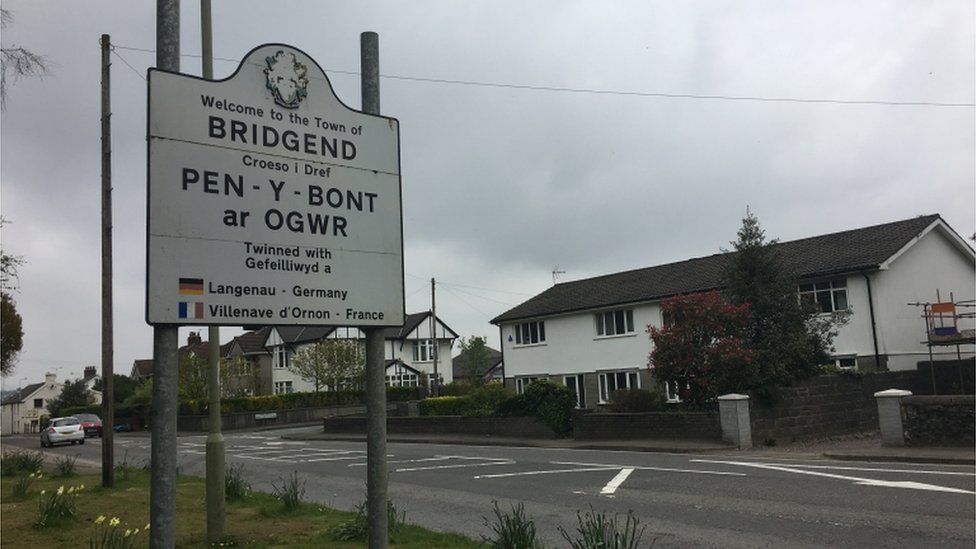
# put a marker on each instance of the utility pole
(436, 388)
(108, 366)
(215, 440)
(162, 501)
(376, 472)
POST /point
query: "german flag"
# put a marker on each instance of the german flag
(191, 286)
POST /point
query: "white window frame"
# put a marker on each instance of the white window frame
(284, 387)
(523, 382)
(279, 357)
(406, 379)
(423, 350)
(672, 392)
(845, 362)
(614, 323)
(580, 393)
(530, 333)
(631, 379)
(825, 292)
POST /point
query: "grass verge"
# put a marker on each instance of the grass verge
(257, 520)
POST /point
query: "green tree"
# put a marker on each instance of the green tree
(333, 363)
(11, 334)
(192, 377)
(11, 323)
(701, 350)
(477, 358)
(122, 387)
(790, 340)
(74, 393)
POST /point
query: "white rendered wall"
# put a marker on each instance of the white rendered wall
(573, 347)
(931, 264)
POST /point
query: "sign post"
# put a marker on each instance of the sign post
(270, 202)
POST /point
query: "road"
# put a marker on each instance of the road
(712, 500)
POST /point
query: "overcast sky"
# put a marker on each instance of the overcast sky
(501, 184)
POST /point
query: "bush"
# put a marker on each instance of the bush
(485, 401)
(443, 406)
(638, 400)
(23, 484)
(547, 401)
(511, 530)
(456, 388)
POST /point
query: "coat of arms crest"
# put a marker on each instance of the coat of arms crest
(287, 79)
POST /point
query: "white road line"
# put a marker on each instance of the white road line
(646, 468)
(341, 458)
(458, 466)
(857, 480)
(548, 472)
(615, 483)
(441, 458)
(874, 469)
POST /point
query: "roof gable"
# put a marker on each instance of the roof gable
(825, 255)
(23, 394)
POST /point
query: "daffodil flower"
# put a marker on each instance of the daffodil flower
(43, 492)
(114, 522)
(128, 533)
(60, 490)
(100, 519)
(147, 526)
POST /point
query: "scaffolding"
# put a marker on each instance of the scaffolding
(942, 329)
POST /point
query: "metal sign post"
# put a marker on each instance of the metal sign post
(271, 202)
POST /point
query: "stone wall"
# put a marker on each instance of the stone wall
(629, 426)
(248, 420)
(938, 420)
(827, 406)
(513, 427)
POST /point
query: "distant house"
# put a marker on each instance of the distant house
(249, 347)
(591, 334)
(90, 378)
(21, 411)
(409, 352)
(494, 370)
(142, 368)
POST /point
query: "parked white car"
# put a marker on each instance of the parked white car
(63, 430)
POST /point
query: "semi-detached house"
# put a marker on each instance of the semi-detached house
(409, 351)
(592, 336)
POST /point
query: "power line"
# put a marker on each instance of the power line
(450, 291)
(482, 297)
(628, 93)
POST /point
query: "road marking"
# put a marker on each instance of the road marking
(548, 472)
(456, 466)
(874, 469)
(616, 481)
(440, 458)
(647, 468)
(856, 480)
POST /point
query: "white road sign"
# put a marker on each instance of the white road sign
(270, 201)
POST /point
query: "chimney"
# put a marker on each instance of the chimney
(194, 339)
(89, 372)
(49, 377)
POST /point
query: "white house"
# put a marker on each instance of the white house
(21, 412)
(591, 334)
(409, 351)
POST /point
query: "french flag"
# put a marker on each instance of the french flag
(191, 310)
